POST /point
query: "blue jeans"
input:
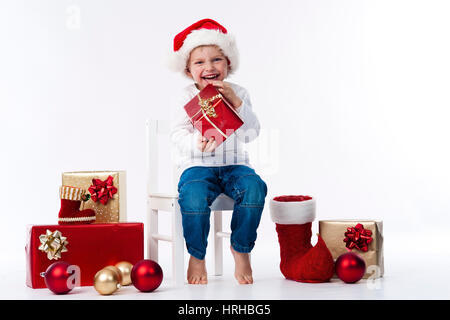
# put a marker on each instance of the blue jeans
(200, 186)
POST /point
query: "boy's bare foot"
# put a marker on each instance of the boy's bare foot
(243, 269)
(196, 273)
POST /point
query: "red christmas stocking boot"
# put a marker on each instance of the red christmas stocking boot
(70, 213)
(300, 261)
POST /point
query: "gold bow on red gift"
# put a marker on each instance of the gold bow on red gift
(358, 237)
(208, 110)
(53, 243)
(102, 190)
(205, 105)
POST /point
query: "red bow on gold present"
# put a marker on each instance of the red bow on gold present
(102, 190)
(358, 237)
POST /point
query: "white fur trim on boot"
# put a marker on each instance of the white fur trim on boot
(293, 212)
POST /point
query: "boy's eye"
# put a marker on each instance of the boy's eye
(199, 62)
(217, 59)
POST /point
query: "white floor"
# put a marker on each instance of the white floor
(411, 273)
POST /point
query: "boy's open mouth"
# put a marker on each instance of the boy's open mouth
(211, 77)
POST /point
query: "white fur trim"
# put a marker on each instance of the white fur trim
(294, 212)
(225, 41)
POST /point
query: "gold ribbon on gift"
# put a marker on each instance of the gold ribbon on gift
(208, 110)
(53, 243)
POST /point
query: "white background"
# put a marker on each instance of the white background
(354, 92)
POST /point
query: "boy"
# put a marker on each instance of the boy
(207, 54)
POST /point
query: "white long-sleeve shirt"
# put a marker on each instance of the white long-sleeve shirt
(184, 136)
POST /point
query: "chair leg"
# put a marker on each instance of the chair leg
(218, 244)
(177, 246)
(152, 243)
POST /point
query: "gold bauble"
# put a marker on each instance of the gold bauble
(117, 271)
(125, 270)
(107, 280)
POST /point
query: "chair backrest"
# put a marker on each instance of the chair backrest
(160, 168)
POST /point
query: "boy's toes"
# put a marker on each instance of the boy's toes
(240, 280)
(192, 280)
(202, 279)
(198, 280)
(244, 279)
(249, 279)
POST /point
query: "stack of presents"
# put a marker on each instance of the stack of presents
(92, 231)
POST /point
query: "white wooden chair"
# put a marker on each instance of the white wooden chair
(168, 202)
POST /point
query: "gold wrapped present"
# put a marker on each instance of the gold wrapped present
(363, 237)
(107, 191)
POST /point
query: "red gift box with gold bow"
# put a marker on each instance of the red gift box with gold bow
(90, 247)
(363, 237)
(212, 115)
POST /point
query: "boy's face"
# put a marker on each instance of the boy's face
(207, 64)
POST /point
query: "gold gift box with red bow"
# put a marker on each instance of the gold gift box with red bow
(107, 191)
(363, 237)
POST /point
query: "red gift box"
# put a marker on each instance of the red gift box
(90, 247)
(212, 115)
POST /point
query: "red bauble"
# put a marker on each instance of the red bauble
(350, 267)
(57, 277)
(146, 275)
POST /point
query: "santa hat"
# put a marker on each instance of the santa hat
(293, 209)
(201, 33)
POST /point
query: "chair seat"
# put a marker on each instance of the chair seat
(222, 202)
(163, 195)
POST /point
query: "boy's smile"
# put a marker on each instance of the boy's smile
(211, 76)
(207, 64)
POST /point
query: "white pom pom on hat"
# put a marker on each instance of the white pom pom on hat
(285, 210)
(201, 33)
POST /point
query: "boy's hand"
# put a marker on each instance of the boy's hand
(206, 146)
(228, 92)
